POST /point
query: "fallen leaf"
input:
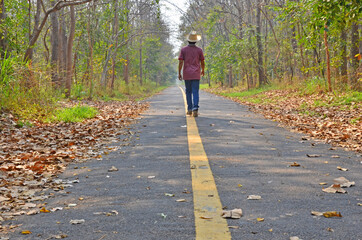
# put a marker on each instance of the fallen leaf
(294, 238)
(235, 213)
(77, 221)
(163, 215)
(151, 177)
(295, 165)
(342, 169)
(181, 216)
(239, 185)
(113, 169)
(80, 199)
(260, 219)
(32, 212)
(181, 200)
(169, 194)
(313, 155)
(359, 204)
(343, 182)
(330, 229)
(234, 227)
(56, 209)
(26, 232)
(315, 213)
(43, 210)
(205, 217)
(323, 183)
(270, 230)
(254, 197)
(332, 214)
(72, 204)
(335, 156)
(335, 188)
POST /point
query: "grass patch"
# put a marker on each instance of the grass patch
(75, 114)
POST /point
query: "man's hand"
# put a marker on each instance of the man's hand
(180, 77)
(202, 72)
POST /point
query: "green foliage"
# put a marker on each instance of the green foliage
(314, 85)
(75, 114)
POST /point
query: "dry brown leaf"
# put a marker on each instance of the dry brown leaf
(26, 232)
(205, 217)
(254, 197)
(335, 188)
(332, 214)
(315, 213)
(343, 182)
(295, 165)
(342, 169)
(235, 213)
(234, 227)
(113, 169)
(260, 219)
(181, 200)
(43, 210)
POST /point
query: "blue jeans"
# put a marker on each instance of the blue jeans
(192, 94)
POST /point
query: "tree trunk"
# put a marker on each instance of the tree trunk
(125, 72)
(90, 60)
(35, 34)
(327, 58)
(54, 38)
(230, 76)
(141, 67)
(68, 84)
(2, 32)
(354, 53)
(62, 48)
(115, 30)
(259, 44)
(344, 55)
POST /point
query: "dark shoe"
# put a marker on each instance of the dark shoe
(195, 113)
(189, 113)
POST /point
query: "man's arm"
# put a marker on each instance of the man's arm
(180, 64)
(202, 67)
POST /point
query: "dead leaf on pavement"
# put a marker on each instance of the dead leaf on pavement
(343, 182)
(294, 238)
(332, 214)
(234, 227)
(235, 213)
(323, 183)
(43, 210)
(342, 169)
(295, 165)
(254, 197)
(335, 188)
(313, 155)
(113, 169)
(260, 219)
(315, 213)
(205, 217)
(169, 194)
(26, 232)
(181, 200)
(77, 221)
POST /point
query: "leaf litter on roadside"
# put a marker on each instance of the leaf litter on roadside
(31, 157)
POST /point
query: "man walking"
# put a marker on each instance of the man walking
(191, 57)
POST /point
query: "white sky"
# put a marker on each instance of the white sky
(172, 16)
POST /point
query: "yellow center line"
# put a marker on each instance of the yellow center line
(207, 205)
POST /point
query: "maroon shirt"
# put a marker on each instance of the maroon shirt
(192, 56)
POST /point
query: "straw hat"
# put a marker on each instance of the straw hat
(193, 37)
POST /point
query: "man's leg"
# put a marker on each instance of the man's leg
(188, 95)
(195, 95)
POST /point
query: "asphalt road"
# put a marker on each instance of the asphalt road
(248, 155)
